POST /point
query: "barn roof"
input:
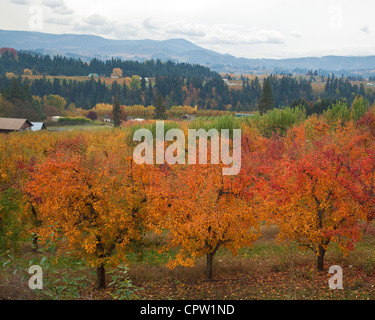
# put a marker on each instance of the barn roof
(13, 124)
(37, 126)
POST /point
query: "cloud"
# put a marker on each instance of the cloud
(235, 35)
(64, 11)
(96, 19)
(54, 3)
(58, 6)
(20, 2)
(186, 29)
(128, 30)
(58, 21)
(365, 29)
(150, 23)
(163, 30)
(101, 30)
(200, 33)
(100, 25)
(296, 34)
(214, 34)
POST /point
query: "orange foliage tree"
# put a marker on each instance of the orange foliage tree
(202, 211)
(358, 165)
(304, 196)
(117, 72)
(91, 198)
(19, 154)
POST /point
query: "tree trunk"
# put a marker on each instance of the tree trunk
(320, 261)
(100, 277)
(210, 257)
(35, 243)
(100, 271)
(35, 246)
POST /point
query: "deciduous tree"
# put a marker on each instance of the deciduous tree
(202, 213)
(92, 199)
(305, 198)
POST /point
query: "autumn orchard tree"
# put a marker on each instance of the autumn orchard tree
(258, 156)
(91, 198)
(202, 213)
(18, 156)
(357, 160)
(305, 198)
(11, 200)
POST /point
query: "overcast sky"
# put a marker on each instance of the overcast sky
(243, 28)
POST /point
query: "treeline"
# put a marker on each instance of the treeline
(62, 66)
(339, 87)
(288, 89)
(178, 84)
(209, 94)
(16, 101)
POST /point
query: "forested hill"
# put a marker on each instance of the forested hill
(88, 46)
(62, 66)
(179, 84)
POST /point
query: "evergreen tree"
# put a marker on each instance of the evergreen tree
(116, 113)
(266, 100)
(149, 95)
(143, 82)
(160, 108)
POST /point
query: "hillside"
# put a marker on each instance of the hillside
(87, 47)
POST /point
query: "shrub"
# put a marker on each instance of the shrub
(277, 120)
(74, 121)
(338, 112)
(92, 115)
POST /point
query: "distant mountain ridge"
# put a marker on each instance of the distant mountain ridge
(87, 47)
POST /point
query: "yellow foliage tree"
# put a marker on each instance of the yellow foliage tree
(202, 212)
(91, 198)
(27, 72)
(117, 72)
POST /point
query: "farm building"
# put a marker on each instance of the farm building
(11, 124)
(107, 118)
(37, 126)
